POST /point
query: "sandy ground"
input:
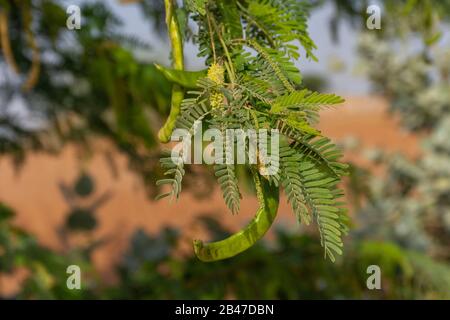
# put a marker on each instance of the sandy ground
(41, 208)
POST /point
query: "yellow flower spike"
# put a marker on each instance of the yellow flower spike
(216, 100)
(216, 73)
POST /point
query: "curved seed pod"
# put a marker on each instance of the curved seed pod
(178, 64)
(268, 197)
(165, 132)
(185, 79)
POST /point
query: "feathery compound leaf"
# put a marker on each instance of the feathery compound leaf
(174, 166)
(193, 110)
(196, 6)
(323, 152)
(295, 127)
(304, 100)
(231, 19)
(196, 108)
(256, 88)
(225, 170)
(280, 65)
(279, 23)
(309, 188)
(226, 177)
(292, 184)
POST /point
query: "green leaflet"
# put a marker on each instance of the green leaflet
(281, 23)
(174, 172)
(283, 68)
(196, 6)
(185, 79)
(268, 197)
(301, 125)
(231, 18)
(304, 100)
(226, 177)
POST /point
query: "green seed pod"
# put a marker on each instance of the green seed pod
(178, 64)
(185, 79)
(165, 132)
(268, 197)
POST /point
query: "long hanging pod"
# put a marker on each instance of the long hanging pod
(178, 64)
(268, 198)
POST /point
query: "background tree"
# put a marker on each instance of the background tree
(414, 192)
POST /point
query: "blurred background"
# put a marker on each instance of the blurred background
(79, 157)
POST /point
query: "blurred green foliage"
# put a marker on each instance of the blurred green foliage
(414, 194)
(90, 84)
(399, 17)
(96, 82)
(291, 267)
